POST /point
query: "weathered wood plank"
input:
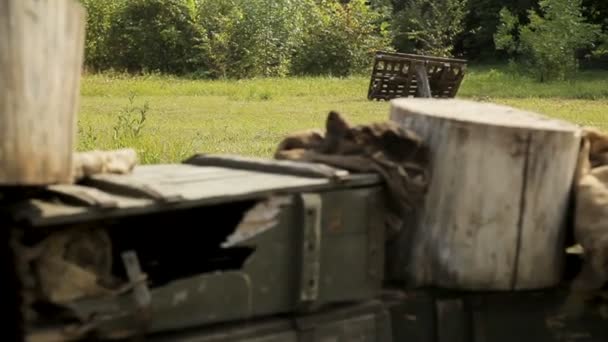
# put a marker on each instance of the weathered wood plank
(398, 56)
(153, 188)
(185, 182)
(84, 195)
(269, 165)
(546, 202)
(424, 89)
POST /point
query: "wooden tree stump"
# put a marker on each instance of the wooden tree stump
(496, 208)
(41, 57)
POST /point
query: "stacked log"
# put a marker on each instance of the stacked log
(41, 58)
(495, 213)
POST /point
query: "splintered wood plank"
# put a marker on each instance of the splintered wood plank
(314, 170)
(191, 182)
(160, 187)
(424, 89)
(84, 195)
(185, 181)
(37, 212)
(41, 57)
(494, 215)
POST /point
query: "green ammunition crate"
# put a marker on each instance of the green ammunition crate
(326, 245)
(367, 322)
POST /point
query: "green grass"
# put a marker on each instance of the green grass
(249, 117)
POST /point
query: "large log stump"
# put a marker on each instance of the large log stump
(494, 217)
(41, 53)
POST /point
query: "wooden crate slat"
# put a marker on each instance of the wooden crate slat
(393, 76)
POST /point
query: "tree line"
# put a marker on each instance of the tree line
(251, 38)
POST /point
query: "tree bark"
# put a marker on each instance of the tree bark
(494, 217)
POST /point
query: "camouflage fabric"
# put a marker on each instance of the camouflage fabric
(397, 154)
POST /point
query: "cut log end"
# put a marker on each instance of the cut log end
(482, 113)
(494, 216)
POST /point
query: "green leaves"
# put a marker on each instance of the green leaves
(504, 37)
(248, 38)
(98, 54)
(237, 38)
(145, 35)
(130, 122)
(547, 45)
(431, 26)
(340, 39)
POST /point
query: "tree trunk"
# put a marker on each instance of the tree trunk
(494, 217)
(41, 53)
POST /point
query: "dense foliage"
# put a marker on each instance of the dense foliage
(251, 38)
(431, 27)
(339, 39)
(549, 41)
(100, 19)
(155, 35)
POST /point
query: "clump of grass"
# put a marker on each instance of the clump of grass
(86, 137)
(126, 130)
(130, 122)
(264, 96)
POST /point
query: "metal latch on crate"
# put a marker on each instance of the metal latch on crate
(311, 250)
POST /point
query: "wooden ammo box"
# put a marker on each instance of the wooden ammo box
(367, 321)
(216, 244)
(396, 75)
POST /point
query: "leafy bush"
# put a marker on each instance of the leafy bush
(244, 38)
(274, 30)
(155, 35)
(549, 42)
(481, 21)
(430, 27)
(98, 55)
(219, 21)
(130, 121)
(340, 39)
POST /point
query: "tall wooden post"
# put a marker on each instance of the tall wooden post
(494, 216)
(41, 57)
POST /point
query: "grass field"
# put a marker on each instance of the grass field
(249, 117)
